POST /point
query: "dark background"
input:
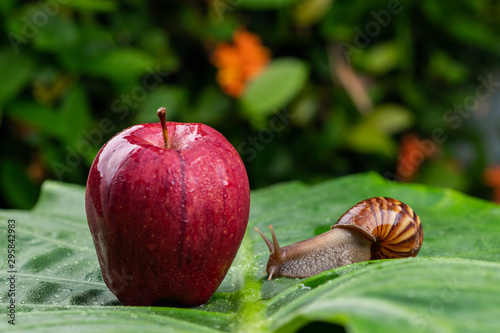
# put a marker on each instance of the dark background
(406, 88)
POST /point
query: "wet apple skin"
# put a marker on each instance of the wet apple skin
(167, 223)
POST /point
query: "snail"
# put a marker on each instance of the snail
(375, 228)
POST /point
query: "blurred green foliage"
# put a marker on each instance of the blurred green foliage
(347, 79)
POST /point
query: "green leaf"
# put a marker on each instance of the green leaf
(172, 98)
(75, 115)
(444, 173)
(261, 4)
(308, 12)
(42, 117)
(17, 70)
(58, 34)
(15, 182)
(365, 138)
(275, 87)
(396, 296)
(391, 118)
(379, 59)
(61, 200)
(373, 133)
(452, 286)
(443, 66)
(112, 64)
(7, 5)
(93, 5)
(211, 107)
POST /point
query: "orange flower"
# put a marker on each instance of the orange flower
(239, 63)
(412, 153)
(492, 176)
(492, 179)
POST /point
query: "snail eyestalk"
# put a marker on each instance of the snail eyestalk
(161, 114)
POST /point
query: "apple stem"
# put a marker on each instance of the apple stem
(161, 114)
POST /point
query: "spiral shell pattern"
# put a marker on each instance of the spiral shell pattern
(393, 226)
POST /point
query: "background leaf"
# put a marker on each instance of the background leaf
(75, 115)
(93, 5)
(308, 12)
(57, 34)
(40, 116)
(373, 133)
(379, 59)
(262, 4)
(117, 54)
(112, 64)
(452, 286)
(13, 180)
(171, 97)
(275, 86)
(17, 70)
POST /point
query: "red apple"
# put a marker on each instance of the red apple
(167, 210)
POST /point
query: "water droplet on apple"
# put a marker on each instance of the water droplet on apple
(225, 182)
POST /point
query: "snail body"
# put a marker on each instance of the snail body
(375, 228)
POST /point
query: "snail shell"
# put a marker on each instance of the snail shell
(393, 226)
(375, 228)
